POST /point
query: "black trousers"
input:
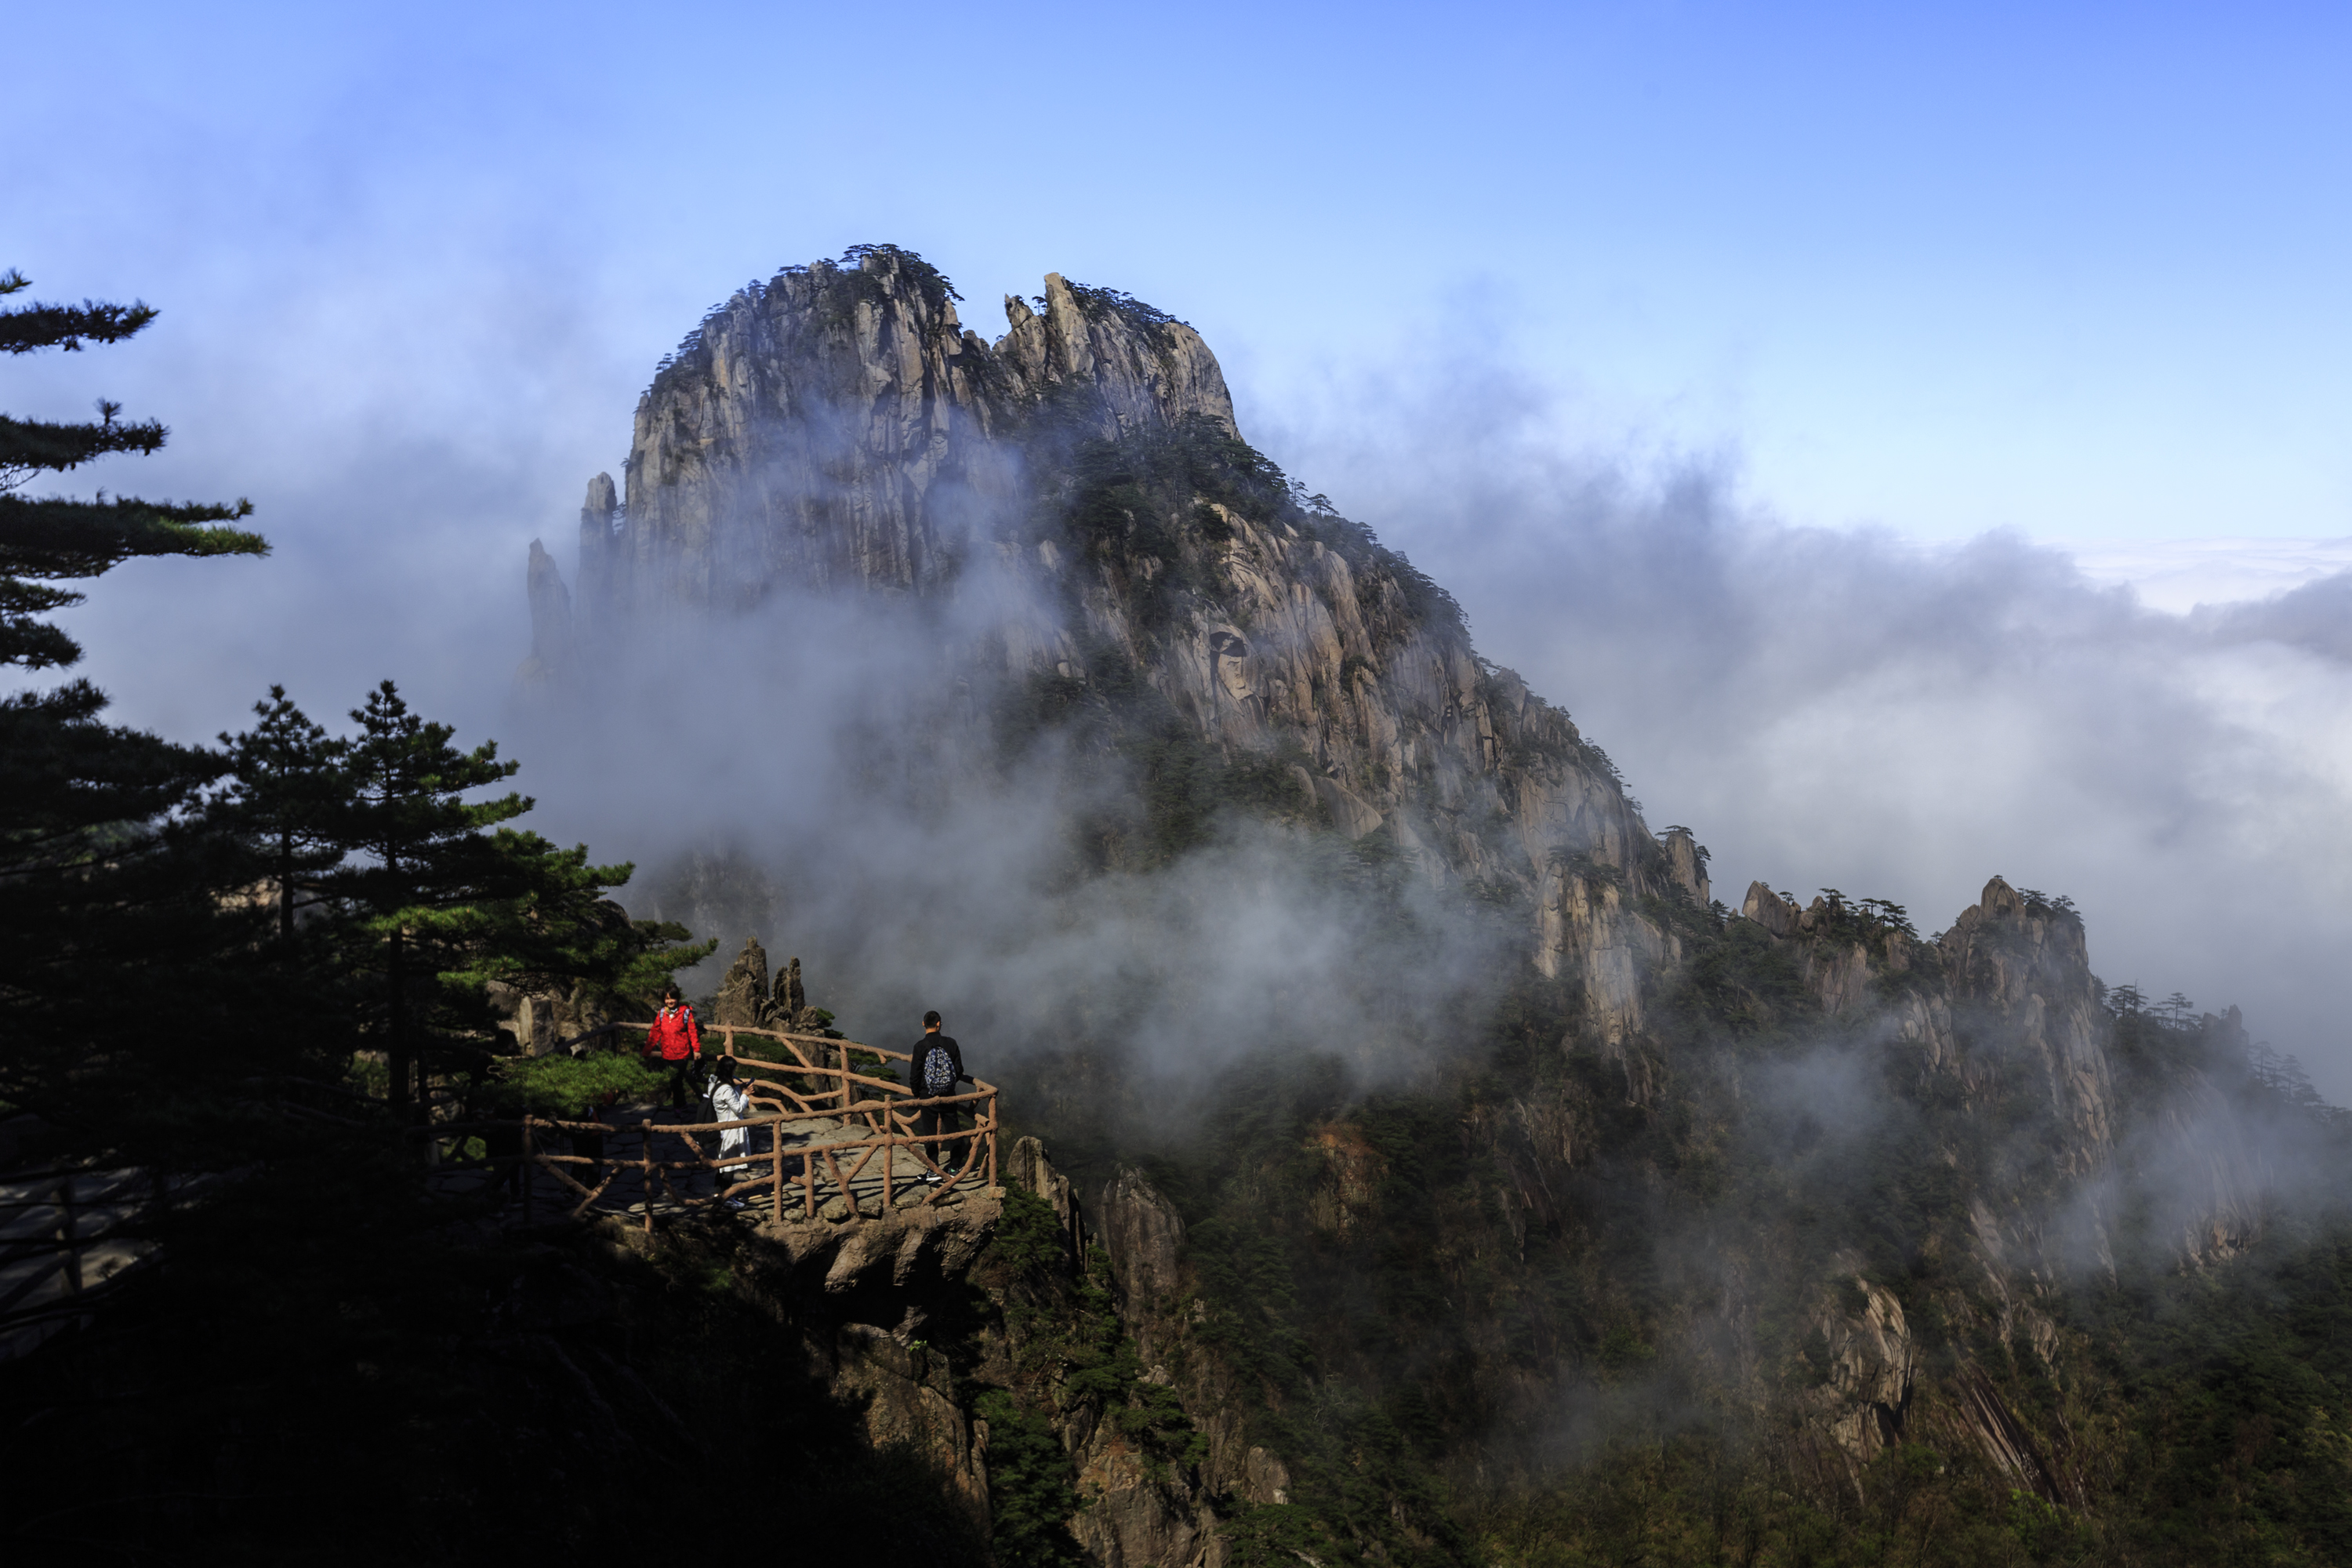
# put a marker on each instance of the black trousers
(934, 1120)
(684, 1074)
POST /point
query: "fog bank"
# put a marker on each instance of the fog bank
(1846, 709)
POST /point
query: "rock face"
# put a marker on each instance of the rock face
(743, 993)
(543, 1021)
(838, 426)
(862, 1294)
(839, 430)
(2030, 973)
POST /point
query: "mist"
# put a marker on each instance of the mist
(1845, 707)
(826, 774)
(1823, 707)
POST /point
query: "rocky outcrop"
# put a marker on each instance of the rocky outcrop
(1588, 929)
(1144, 1236)
(906, 1395)
(837, 426)
(2017, 979)
(1141, 1507)
(790, 999)
(1870, 1365)
(744, 998)
(1347, 1198)
(543, 1021)
(1686, 864)
(2026, 974)
(839, 430)
(1769, 909)
(551, 622)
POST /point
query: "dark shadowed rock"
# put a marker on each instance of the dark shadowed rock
(1143, 1235)
(551, 622)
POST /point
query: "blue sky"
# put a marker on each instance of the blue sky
(1503, 281)
(2074, 270)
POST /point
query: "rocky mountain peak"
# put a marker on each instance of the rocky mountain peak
(837, 426)
(837, 429)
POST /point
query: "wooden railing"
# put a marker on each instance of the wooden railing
(805, 1088)
(63, 1247)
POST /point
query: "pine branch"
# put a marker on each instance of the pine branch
(35, 446)
(54, 537)
(30, 327)
(36, 645)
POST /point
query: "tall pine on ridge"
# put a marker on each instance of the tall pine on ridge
(107, 908)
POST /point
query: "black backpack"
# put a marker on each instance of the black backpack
(939, 1071)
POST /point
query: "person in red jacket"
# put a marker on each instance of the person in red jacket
(677, 1041)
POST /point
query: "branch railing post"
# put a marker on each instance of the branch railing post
(66, 1237)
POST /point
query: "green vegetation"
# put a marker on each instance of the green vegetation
(1030, 1491)
(109, 926)
(1480, 1313)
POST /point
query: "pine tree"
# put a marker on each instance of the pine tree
(425, 863)
(285, 801)
(556, 930)
(436, 904)
(52, 539)
(107, 905)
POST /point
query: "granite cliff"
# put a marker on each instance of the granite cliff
(837, 429)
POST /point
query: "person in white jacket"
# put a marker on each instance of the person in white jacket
(730, 1101)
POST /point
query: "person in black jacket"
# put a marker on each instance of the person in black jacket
(938, 1068)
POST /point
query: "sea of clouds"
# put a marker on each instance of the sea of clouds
(2163, 733)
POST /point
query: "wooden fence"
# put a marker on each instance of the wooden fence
(63, 1247)
(831, 1132)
